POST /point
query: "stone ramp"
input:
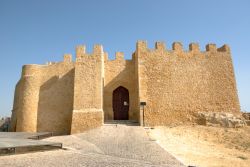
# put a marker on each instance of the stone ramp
(129, 142)
(70, 158)
(110, 145)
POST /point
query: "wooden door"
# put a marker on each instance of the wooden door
(120, 103)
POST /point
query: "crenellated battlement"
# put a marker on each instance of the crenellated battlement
(119, 56)
(81, 52)
(178, 47)
(141, 46)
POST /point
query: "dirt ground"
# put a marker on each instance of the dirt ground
(206, 146)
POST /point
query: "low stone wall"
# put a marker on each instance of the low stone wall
(83, 120)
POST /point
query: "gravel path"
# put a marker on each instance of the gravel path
(109, 145)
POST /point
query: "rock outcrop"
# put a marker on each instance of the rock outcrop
(227, 120)
(247, 117)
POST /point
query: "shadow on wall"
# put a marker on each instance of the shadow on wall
(125, 78)
(56, 104)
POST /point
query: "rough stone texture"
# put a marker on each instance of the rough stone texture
(62, 97)
(88, 81)
(85, 120)
(221, 119)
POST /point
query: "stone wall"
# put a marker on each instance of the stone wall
(86, 119)
(120, 72)
(176, 83)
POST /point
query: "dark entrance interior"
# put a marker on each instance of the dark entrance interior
(120, 103)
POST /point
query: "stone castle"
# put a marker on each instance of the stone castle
(72, 96)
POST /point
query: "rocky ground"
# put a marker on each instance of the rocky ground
(206, 146)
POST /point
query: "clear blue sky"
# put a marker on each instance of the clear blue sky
(33, 32)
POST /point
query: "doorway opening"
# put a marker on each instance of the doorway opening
(121, 103)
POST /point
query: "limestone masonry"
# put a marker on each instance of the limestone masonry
(72, 96)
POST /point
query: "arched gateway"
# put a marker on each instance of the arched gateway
(120, 103)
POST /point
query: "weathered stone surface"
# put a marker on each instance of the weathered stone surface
(220, 119)
(86, 119)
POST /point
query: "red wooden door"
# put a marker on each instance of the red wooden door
(120, 103)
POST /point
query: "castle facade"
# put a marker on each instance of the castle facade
(73, 96)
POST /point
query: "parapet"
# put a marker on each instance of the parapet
(32, 69)
(224, 48)
(177, 46)
(119, 55)
(141, 45)
(160, 46)
(194, 47)
(80, 51)
(98, 49)
(211, 48)
(106, 56)
(67, 58)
